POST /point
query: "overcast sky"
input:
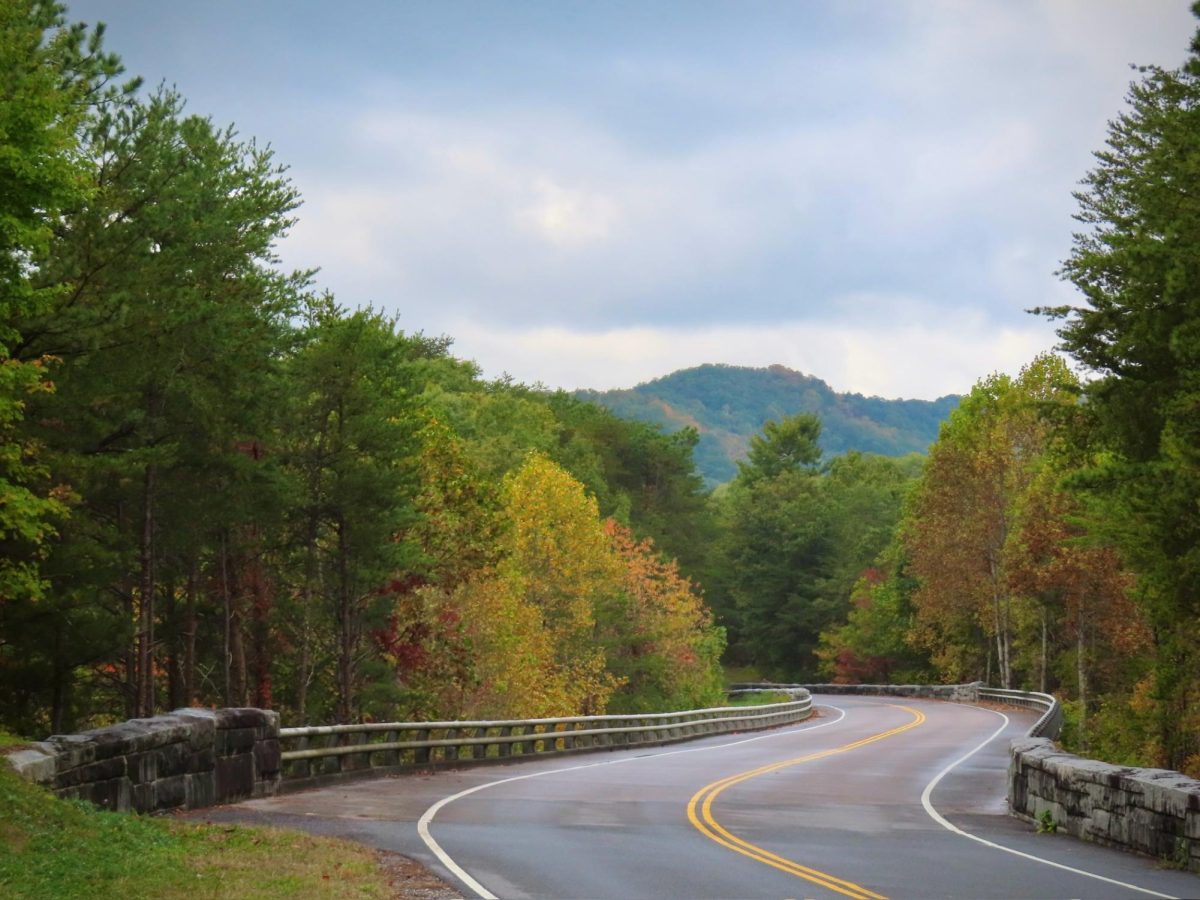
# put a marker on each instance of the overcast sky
(594, 194)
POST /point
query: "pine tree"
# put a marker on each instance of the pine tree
(1137, 265)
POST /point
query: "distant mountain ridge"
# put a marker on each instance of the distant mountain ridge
(727, 405)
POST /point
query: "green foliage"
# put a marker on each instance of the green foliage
(796, 541)
(872, 646)
(1137, 267)
(167, 320)
(1046, 823)
(787, 445)
(355, 436)
(962, 531)
(727, 405)
(658, 635)
(48, 72)
(1119, 728)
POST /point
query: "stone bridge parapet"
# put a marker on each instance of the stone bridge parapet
(1153, 811)
(187, 759)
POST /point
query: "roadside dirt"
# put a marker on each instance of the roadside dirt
(410, 880)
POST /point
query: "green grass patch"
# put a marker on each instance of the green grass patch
(760, 698)
(742, 674)
(11, 740)
(56, 849)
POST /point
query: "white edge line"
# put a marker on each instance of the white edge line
(465, 877)
(937, 817)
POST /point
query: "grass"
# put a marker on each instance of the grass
(743, 674)
(10, 740)
(760, 698)
(56, 849)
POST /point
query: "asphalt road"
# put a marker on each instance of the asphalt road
(872, 798)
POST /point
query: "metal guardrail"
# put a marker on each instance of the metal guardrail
(1049, 725)
(317, 753)
(1051, 722)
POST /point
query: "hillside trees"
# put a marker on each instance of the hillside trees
(1136, 265)
(960, 533)
(354, 441)
(797, 539)
(1009, 586)
(49, 75)
(659, 637)
(555, 611)
(873, 645)
(220, 489)
(727, 405)
(163, 315)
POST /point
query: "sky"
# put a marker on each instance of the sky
(595, 194)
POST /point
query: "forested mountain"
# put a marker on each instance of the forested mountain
(727, 405)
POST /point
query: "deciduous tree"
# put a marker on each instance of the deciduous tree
(1137, 267)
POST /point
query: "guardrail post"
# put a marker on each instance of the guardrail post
(421, 754)
(351, 761)
(389, 757)
(300, 768)
(478, 751)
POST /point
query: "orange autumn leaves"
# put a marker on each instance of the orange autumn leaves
(1009, 581)
(568, 614)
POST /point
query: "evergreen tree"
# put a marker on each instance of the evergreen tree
(354, 442)
(1137, 266)
(51, 75)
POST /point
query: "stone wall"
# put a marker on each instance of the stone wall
(962, 693)
(1150, 811)
(187, 759)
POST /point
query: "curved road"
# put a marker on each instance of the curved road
(872, 798)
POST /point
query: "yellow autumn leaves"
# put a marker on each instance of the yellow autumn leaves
(574, 615)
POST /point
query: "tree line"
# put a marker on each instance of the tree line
(219, 486)
(1053, 540)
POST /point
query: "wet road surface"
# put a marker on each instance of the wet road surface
(858, 802)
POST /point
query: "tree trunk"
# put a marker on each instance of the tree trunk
(174, 647)
(189, 638)
(235, 654)
(260, 626)
(238, 652)
(1081, 676)
(58, 688)
(1042, 679)
(129, 681)
(145, 629)
(302, 681)
(345, 615)
(304, 674)
(1000, 623)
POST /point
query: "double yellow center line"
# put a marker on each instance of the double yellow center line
(700, 814)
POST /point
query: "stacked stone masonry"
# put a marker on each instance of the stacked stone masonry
(1151, 811)
(961, 693)
(188, 759)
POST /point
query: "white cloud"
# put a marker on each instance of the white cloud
(915, 173)
(569, 217)
(923, 361)
(570, 226)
